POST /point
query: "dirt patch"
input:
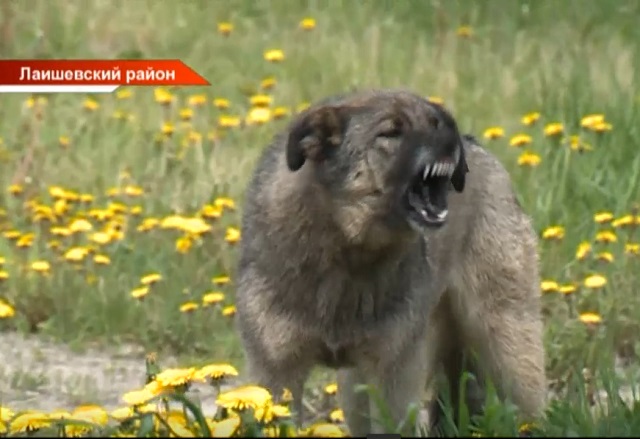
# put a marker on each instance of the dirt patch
(36, 373)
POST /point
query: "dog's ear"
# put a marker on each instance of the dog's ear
(460, 172)
(315, 133)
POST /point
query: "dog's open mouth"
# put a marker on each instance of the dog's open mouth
(426, 196)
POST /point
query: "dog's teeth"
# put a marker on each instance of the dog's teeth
(442, 215)
(438, 169)
(427, 171)
(450, 168)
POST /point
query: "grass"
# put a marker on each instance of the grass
(131, 158)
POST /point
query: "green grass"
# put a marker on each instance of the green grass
(563, 59)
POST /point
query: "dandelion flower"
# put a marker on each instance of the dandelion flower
(229, 311)
(576, 144)
(553, 129)
(221, 280)
(64, 141)
(232, 235)
(624, 221)
(41, 266)
(3, 275)
(188, 307)
(76, 254)
(150, 279)
(433, 99)
(530, 118)
(464, 31)
(124, 93)
(604, 257)
(324, 430)
(229, 121)
(331, 389)
(270, 412)
(493, 133)
(91, 413)
(29, 422)
(225, 28)
(221, 103)
(186, 114)
(138, 397)
(212, 298)
(261, 100)
(211, 212)
(258, 116)
(595, 281)
(6, 414)
(133, 191)
(274, 55)
(337, 416)
(15, 189)
(268, 83)
(162, 96)
(140, 293)
(6, 310)
(102, 259)
(307, 23)
(520, 140)
(606, 236)
(603, 217)
(584, 248)
(91, 104)
(632, 249)
(601, 127)
(554, 232)
(175, 377)
(591, 119)
(184, 244)
(590, 318)
(567, 289)
(548, 286)
(280, 112)
(215, 372)
(197, 100)
(101, 238)
(529, 159)
(244, 397)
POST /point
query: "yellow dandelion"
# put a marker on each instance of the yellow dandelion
(15, 189)
(3, 260)
(221, 103)
(591, 119)
(229, 121)
(604, 257)
(576, 144)
(274, 55)
(101, 237)
(162, 96)
(229, 311)
(261, 100)
(595, 281)
(140, 293)
(211, 212)
(175, 377)
(225, 202)
(324, 430)
(138, 397)
(91, 413)
(64, 141)
(25, 240)
(601, 127)
(464, 31)
(337, 416)
(590, 318)
(86, 198)
(232, 235)
(307, 23)
(433, 99)
(258, 116)
(244, 397)
(186, 114)
(269, 413)
(184, 244)
(221, 280)
(280, 112)
(553, 232)
(150, 279)
(331, 389)
(3, 275)
(6, 310)
(29, 421)
(6, 414)
(80, 225)
(567, 289)
(268, 83)
(493, 133)
(76, 254)
(530, 118)
(520, 140)
(91, 104)
(529, 159)
(624, 221)
(212, 298)
(584, 248)
(148, 224)
(124, 93)
(41, 266)
(553, 129)
(102, 259)
(225, 28)
(603, 217)
(606, 236)
(632, 248)
(132, 191)
(548, 286)
(188, 307)
(12, 234)
(197, 100)
(215, 372)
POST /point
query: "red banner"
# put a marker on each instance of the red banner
(67, 72)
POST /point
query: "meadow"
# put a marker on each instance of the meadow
(120, 213)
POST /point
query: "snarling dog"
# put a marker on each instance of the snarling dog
(379, 241)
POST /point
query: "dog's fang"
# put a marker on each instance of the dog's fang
(427, 171)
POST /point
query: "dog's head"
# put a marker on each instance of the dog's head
(387, 160)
